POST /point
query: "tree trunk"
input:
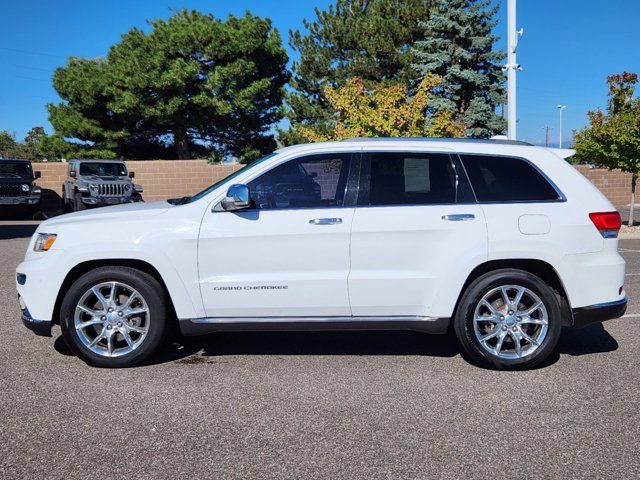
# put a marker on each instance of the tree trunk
(634, 179)
(181, 143)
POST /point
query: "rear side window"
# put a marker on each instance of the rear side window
(507, 179)
(411, 179)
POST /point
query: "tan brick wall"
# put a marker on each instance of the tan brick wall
(161, 179)
(615, 185)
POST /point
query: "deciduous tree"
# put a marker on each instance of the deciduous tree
(382, 111)
(612, 138)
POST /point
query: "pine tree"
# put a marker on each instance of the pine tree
(369, 39)
(458, 46)
(192, 85)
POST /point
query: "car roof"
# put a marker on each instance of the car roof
(459, 144)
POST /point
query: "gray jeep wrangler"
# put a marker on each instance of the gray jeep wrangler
(18, 192)
(97, 183)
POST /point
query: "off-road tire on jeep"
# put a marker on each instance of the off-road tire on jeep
(122, 353)
(78, 204)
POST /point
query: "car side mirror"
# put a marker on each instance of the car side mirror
(132, 174)
(237, 198)
(72, 174)
(37, 174)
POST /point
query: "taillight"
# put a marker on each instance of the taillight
(608, 223)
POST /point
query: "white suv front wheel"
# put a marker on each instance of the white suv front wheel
(508, 319)
(114, 316)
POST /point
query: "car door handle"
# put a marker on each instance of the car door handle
(325, 221)
(459, 217)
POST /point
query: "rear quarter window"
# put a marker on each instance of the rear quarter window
(507, 179)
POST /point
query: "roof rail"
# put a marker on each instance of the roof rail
(440, 139)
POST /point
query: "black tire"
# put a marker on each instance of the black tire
(151, 291)
(78, 205)
(64, 204)
(464, 323)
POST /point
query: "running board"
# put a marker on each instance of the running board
(200, 326)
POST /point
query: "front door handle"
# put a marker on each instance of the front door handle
(325, 221)
(459, 217)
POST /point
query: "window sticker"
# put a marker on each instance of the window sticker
(416, 175)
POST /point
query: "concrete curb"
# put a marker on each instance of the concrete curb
(629, 235)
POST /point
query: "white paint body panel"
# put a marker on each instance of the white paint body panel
(274, 263)
(380, 261)
(386, 280)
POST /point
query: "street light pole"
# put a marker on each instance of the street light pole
(561, 108)
(512, 68)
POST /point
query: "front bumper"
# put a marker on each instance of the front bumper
(39, 327)
(19, 201)
(106, 201)
(599, 313)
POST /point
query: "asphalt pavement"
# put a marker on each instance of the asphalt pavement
(318, 405)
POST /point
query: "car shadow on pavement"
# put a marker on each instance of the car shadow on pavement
(311, 343)
(195, 350)
(585, 341)
(8, 232)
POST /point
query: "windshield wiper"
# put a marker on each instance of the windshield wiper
(179, 201)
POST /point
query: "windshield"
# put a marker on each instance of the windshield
(15, 169)
(207, 190)
(106, 169)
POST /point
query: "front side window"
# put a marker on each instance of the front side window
(106, 169)
(308, 182)
(411, 179)
(507, 179)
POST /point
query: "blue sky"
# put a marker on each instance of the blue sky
(569, 48)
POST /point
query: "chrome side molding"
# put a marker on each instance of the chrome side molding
(198, 326)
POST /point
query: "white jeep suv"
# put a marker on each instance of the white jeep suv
(502, 241)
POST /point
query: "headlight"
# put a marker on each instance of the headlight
(44, 242)
(25, 187)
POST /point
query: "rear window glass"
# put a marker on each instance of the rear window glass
(507, 179)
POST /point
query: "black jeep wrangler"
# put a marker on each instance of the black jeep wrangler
(18, 192)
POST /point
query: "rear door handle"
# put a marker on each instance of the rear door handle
(459, 217)
(325, 221)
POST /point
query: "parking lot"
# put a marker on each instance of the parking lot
(318, 405)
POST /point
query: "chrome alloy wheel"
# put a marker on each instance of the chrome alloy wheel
(111, 319)
(510, 322)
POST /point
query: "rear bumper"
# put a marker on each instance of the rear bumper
(599, 313)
